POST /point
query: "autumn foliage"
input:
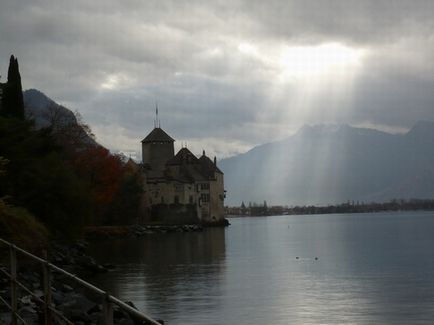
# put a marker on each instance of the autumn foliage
(102, 170)
(59, 174)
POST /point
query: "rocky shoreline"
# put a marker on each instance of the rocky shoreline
(136, 231)
(75, 303)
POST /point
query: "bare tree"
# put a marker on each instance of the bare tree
(69, 128)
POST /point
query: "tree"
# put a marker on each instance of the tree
(39, 178)
(68, 128)
(12, 101)
(125, 206)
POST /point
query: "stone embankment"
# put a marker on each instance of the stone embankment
(75, 303)
(136, 231)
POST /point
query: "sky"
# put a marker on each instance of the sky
(227, 75)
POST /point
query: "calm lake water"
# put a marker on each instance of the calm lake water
(371, 269)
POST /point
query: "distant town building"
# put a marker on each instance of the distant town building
(181, 188)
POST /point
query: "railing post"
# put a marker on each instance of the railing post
(49, 311)
(107, 310)
(14, 298)
(47, 291)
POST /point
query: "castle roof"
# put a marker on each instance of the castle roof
(190, 167)
(208, 166)
(184, 156)
(158, 135)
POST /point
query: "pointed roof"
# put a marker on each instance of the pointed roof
(183, 156)
(158, 135)
(208, 165)
(190, 169)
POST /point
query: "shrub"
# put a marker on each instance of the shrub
(22, 228)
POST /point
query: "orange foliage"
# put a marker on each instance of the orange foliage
(102, 170)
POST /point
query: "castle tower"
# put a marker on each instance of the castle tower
(157, 149)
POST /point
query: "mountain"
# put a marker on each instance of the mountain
(41, 108)
(46, 112)
(332, 164)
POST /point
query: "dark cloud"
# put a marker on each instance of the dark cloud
(214, 67)
(358, 22)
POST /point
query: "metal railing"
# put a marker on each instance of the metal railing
(51, 314)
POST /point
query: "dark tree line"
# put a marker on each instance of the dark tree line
(58, 176)
(12, 104)
(349, 207)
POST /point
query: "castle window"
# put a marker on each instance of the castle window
(190, 199)
(204, 197)
(204, 186)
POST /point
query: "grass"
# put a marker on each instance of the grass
(21, 228)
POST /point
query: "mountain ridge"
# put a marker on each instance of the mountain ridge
(333, 164)
(45, 112)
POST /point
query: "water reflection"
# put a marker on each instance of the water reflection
(371, 269)
(163, 274)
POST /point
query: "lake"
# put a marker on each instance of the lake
(310, 269)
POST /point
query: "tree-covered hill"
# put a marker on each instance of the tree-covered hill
(56, 173)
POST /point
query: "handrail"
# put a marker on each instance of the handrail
(49, 311)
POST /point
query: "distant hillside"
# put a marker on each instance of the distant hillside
(333, 164)
(47, 112)
(38, 105)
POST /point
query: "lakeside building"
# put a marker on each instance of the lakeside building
(180, 188)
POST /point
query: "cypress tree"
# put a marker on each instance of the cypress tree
(12, 100)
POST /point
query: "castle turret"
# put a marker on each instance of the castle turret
(157, 149)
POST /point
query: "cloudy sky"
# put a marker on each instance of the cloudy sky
(227, 75)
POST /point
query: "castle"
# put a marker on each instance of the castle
(181, 188)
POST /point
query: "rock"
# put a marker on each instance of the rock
(26, 300)
(109, 266)
(81, 245)
(95, 309)
(58, 297)
(77, 315)
(29, 314)
(131, 304)
(119, 313)
(96, 318)
(5, 318)
(76, 301)
(67, 288)
(85, 260)
(38, 293)
(89, 264)
(101, 269)
(125, 321)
